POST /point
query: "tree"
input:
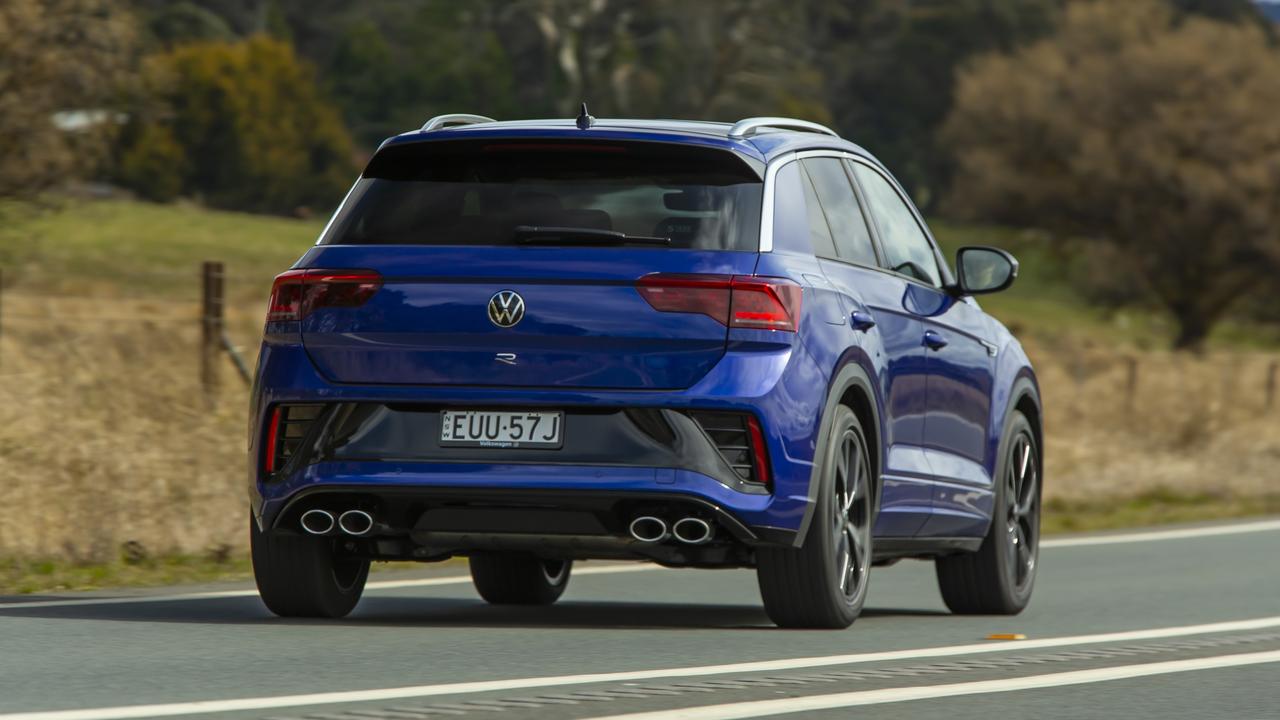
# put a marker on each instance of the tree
(254, 132)
(182, 22)
(59, 56)
(1153, 134)
(889, 68)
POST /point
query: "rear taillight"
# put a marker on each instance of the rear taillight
(286, 428)
(296, 293)
(740, 301)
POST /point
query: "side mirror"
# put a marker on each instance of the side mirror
(985, 270)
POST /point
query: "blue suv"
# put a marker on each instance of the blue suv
(692, 343)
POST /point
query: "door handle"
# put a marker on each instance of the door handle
(934, 340)
(862, 320)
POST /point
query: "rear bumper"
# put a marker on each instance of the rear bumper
(426, 515)
(783, 388)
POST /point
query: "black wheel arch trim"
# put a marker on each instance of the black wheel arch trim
(1024, 387)
(851, 375)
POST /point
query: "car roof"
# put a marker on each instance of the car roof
(763, 145)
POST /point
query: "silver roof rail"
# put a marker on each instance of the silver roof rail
(746, 128)
(440, 122)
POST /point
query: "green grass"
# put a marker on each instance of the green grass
(1044, 303)
(25, 577)
(111, 249)
(1155, 507)
(1159, 507)
(146, 250)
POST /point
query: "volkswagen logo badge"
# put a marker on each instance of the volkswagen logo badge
(506, 308)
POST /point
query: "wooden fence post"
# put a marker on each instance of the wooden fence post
(1130, 382)
(211, 275)
(1272, 372)
(1, 305)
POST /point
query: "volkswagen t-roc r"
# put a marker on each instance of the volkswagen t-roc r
(693, 343)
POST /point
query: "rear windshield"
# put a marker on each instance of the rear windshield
(480, 193)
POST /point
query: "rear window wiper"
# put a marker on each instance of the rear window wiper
(547, 235)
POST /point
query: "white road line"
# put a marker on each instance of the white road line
(1158, 535)
(220, 594)
(467, 688)
(1151, 536)
(786, 706)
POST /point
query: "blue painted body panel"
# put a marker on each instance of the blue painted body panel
(591, 341)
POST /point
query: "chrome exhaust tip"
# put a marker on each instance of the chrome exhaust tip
(317, 522)
(692, 531)
(648, 529)
(356, 522)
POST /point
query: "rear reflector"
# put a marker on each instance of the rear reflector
(759, 455)
(740, 301)
(296, 293)
(273, 441)
(739, 439)
(285, 431)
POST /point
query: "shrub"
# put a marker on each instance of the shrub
(253, 129)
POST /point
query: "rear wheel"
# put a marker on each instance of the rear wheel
(997, 580)
(304, 575)
(519, 578)
(823, 584)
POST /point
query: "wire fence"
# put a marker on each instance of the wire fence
(206, 310)
(126, 407)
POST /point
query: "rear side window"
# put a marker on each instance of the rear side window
(844, 215)
(906, 248)
(819, 232)
(479, 193)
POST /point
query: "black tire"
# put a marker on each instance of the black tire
(823, 584)
(519, 578)
(999, 577)
(305, 576)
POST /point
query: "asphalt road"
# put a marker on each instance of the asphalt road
(1184, 624)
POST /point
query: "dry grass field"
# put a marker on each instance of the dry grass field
(109, 450)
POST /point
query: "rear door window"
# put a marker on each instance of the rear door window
(844, 215)
(479, 193)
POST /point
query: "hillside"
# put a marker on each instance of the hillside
(99, 388)
(144, 250)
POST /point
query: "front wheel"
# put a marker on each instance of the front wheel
(823, 583)
(997, 580)
(305, 576)
(519, 579)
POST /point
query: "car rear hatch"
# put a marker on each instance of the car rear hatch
(519, 263)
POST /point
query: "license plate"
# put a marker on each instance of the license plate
(503, 429)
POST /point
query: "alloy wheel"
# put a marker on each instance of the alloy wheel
(554, 570)
(1023, 520)
(852, 514)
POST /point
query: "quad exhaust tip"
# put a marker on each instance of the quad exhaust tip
(692, 531)
(649, 529)
(356, 522)
(317, 522)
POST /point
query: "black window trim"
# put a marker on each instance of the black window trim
(862, 208)
(767, 213)
(807, 179)
(947, 279)
(770, 194)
